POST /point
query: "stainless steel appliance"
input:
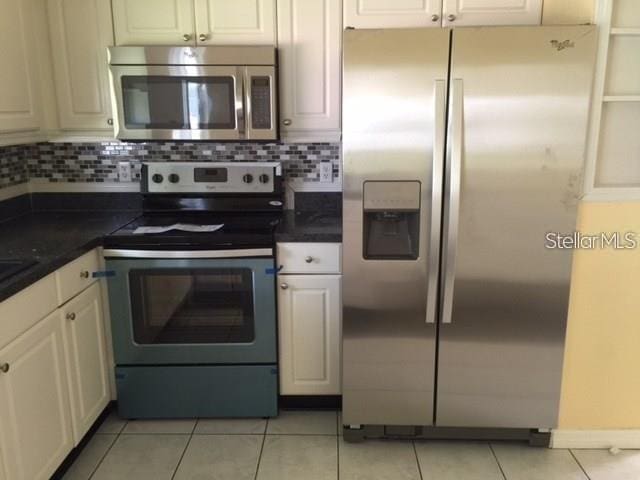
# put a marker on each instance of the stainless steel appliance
(193, 313)
(194, 93)
(462, 149)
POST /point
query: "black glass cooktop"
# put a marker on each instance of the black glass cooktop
(251, 230)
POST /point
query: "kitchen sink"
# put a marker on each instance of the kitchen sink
(9, 268)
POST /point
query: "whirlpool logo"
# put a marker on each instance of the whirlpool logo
(561, 45)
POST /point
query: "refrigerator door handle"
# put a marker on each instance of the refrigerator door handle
(454, 173)
(433, 254)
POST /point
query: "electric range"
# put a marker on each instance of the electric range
(193, 312)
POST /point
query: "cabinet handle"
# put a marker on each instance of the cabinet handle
(203, 37)
(284, 286)
(110, 121)
(84, 274)
(308, 259)
(71, 316)
(186, 37)
(286, 122)
(451, 17)
(4, 368)
(435, 18)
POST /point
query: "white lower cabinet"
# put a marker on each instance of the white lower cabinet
(54, 380)
(86, 359)
(35, 423)
(309, 313)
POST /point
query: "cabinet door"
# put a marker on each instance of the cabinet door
(18, 99)
(35, 425)
(86, 358)
(309, 44)
(392, 13)
(309, 315)
(491, 12)
(153, 22)
(241, 22)
(81, 31)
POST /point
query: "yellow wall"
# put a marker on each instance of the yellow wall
(567, 12)
(601, 381)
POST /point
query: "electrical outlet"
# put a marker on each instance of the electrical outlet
(124, 171)
(326, 172)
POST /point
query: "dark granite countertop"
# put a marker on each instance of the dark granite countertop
(307, 226)
(52, 239)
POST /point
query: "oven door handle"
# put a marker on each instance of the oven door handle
(244, 253)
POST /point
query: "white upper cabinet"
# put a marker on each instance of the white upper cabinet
(194, 22)
(436, 13)
(81, 31)
(18, 95)
(238, 22)
(309, 45)
(392, 13)
(491, 12)
(86, 358)
(35, 433)
(153, 22)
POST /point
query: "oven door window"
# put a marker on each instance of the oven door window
(192, 306)
(179, 103)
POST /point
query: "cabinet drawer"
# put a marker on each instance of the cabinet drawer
(76, 276)
(310, 257)
(27, 307)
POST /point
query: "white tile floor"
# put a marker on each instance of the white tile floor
(307, 446)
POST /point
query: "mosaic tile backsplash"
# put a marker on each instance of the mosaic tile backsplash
(13, 164)
(97, 162)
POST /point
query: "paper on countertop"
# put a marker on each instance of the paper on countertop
(185, 227)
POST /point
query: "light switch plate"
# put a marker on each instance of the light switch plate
(124, 171)
(326, 172)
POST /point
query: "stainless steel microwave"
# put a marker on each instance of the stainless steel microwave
(194, 93)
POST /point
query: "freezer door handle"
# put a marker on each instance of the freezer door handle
(455, 151)
(433, 254)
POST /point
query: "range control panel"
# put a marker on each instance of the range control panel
(209, 177)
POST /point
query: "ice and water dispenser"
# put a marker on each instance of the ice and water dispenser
(391, 220)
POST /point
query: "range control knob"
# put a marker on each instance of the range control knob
(174, 178)
(264, 178)
(157, 178)
(247, 178)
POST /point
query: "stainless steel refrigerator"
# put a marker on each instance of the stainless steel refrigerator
(462, 149)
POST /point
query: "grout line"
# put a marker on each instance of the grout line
(415, 452)
(260, 455)
(184, 451)
(579, 464)
(223, 434)
(338, 457)
(112, 443)
(497, 461)
(95, 469)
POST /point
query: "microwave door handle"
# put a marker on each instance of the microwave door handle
(240, 102)
(455, 152)
(248, 105)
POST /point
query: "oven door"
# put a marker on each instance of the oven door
(179, 102)
(192, 311)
